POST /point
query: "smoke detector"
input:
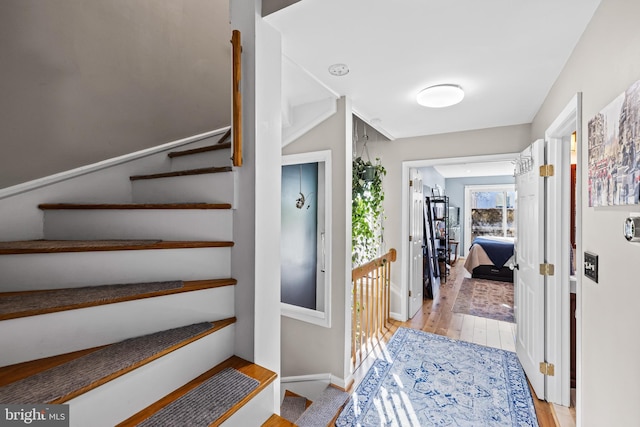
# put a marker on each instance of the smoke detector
(339, 70)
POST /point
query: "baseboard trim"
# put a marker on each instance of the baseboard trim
(397, 316)
(83, 170)
(341, 383)
(306, 378)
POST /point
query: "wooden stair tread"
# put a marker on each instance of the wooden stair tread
(188, 286)
(277, 421)
(263, 375)
(200, 171)
(20, 371)
(200, 150)
(219, 145)
(133, 206)
(58, 246)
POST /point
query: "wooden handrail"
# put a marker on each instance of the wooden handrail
(365, 269)
(370, 307)
(237, 99)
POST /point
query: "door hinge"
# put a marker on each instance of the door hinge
(409, 293)
(547, 269)
(410, 238)
(410, 183)
(547, 369)
(546, 171)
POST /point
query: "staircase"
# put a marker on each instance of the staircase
(322, 412)
(124, 311)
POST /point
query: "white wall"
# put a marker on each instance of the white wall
(500, 140)
(268, 127)
(306, 348)
(604, 63)
(84, 81)
(431, 178)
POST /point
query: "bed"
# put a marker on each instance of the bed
(489, 258)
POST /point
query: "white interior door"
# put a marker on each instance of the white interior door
(416, 224)
(529, 283)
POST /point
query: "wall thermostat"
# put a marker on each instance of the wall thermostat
(632, 229)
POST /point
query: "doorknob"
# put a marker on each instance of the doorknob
(513, 266)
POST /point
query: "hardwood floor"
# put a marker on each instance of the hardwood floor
(439, 319)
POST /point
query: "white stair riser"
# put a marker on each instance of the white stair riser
(208, 159)
(180, 224)
(72, 330)
(309, 386)
(255, 412)
(117, 400)
(210, 187)
(77, 269)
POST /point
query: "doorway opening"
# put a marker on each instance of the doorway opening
(489, 210)
(564, 336)
(499, 165)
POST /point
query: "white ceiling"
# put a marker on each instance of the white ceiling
(505, 54)
(463, 170)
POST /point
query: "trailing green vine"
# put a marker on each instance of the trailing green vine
(366, 210)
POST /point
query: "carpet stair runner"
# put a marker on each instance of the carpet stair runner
(293, 405)
(217, 394)
(39, 382)
(14, 305)
(322, 412)
(325, 409)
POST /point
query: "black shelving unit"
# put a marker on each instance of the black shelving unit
(431, 266)
(440, 211)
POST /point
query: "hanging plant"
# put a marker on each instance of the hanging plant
(366, 210)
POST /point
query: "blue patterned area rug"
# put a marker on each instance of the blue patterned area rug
(431, 380)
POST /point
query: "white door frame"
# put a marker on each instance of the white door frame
(468, 189)
(558, 298)
(404, 239)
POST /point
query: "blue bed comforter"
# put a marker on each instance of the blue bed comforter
(498, 251)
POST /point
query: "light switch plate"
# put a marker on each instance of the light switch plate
(591, 266)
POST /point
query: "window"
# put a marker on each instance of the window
(305, 243)
(490, 211)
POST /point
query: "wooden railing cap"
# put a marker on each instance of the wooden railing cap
(364, 269)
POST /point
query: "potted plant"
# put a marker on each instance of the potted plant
(367, 212)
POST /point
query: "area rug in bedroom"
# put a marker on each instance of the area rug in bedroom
(431, 380)
(485, 298)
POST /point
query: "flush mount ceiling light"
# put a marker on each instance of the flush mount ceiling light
(339, 70)
(440, 96)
